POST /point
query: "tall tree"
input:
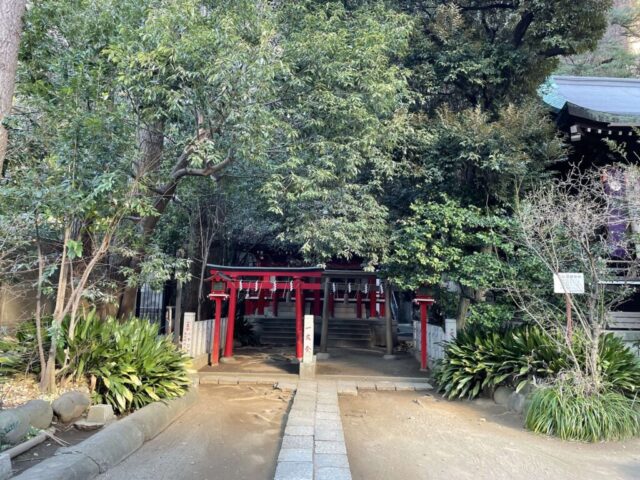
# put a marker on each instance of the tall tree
(11, 12)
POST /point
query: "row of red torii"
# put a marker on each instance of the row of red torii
(268, 284)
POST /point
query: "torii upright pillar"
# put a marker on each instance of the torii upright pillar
(231, 320)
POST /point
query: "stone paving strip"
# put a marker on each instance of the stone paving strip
(313, 446)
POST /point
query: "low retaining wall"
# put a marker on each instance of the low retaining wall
(110, 446)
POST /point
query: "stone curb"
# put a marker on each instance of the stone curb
(110, 446)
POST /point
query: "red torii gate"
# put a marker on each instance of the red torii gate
(228, 281)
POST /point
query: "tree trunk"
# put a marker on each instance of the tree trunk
(151, 145)
(48, 381)
(463, 308)
(39, 311)
(11, 12)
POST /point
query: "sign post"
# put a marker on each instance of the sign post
(568, 284)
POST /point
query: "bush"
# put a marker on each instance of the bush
(567, 411)
(129, 363)
(480, 358)
(490, 315)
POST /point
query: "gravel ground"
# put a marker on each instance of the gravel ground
(406, 435)
(233, 432)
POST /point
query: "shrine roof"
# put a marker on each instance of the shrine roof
(615, 101)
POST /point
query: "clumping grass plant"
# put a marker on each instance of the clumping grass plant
(570, 411)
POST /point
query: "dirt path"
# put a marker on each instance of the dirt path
(233, 432)
(389, 436)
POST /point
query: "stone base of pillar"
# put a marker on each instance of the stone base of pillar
(389, 357)
(308, 370)
(322, 356)
(228, 360)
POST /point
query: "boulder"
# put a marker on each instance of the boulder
(39, 412)
(70, 406)
(517, 402)
(501, 395)
(14, 426)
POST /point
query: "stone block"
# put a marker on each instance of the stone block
(404, 386)
(332, 473)
(301, 421)
(228, 381)
(366, 385)
(327, 416)
(330, 460)
(297, 441)
(5, 467)
(328, 407)
(294, 471)
(422, 386)
(329, 424)
(308, 370)
(100, 414)
(327, 446)
(385, 386)
(287, 386)
(62, 466)
(298, 430)
(329, 435)
(112, 445)
(70, 405)
(296, 455)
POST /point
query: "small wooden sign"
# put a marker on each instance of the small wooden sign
(568, 283)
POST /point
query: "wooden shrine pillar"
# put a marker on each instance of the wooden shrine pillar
(317, 306)
(215, 335)
(358, 303)
(388, 323)
(372, 298)
(274, 303)
(299, 314)
(261, 301)
(332, 301)
(231, 321)
(324, 331)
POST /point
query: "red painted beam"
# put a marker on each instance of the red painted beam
(228, 347)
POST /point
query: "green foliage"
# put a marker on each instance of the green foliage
(567, 411)
(132, 365)
(443, 240)
(12, 357)
(490, 316)
(479, 358)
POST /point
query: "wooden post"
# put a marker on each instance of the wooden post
(317, 307)
(178, 321)
(324, 332)
(299, 327)
(424, 310)
(358, 303)
(215, 341)
(231, 320)
(388, 324)
(274, 303)
(567, 299)
(332, 301)
(261, 298)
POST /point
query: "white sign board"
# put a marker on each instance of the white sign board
(568, 283)
(187, 332)
(307, 344)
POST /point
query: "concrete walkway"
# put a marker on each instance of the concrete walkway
(313, 446)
